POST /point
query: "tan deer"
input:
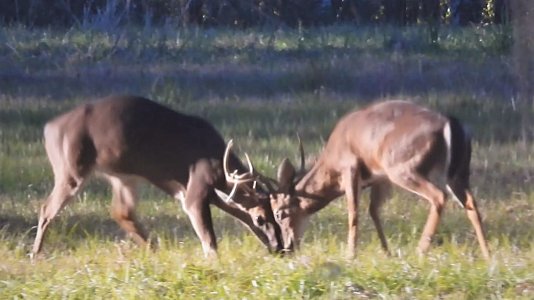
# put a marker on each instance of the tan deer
(395, 142)
(131, 139)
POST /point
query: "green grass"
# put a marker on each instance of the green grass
(261, 87)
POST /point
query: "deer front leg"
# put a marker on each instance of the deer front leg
(196, 205)
(352, 190)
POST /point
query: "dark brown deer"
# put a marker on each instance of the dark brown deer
(131, 139)
(395, 142)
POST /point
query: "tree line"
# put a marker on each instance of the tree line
(245, 13)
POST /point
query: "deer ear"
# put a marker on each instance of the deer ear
(285, 176)
(224, 197)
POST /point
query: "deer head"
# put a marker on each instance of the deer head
(252, 199)
(286, 204)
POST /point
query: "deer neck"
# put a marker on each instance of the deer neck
(318, 188)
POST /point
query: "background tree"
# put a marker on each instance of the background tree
(501, 10)
(432, 16)
(395, 11)
(244, 13)
(523, 51)
(466, 11)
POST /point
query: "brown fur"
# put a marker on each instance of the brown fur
(131, 139)
(395, 142)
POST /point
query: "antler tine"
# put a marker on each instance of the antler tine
(250, 166)
(267, 181)
(264, 179)
(232, 193)
(234, 177)
(225, 159)
(302, 160)
(251, 175)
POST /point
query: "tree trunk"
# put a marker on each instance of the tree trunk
(501, 9)
(523, 51)
(432, 17)
(395, 11)
(466, 11)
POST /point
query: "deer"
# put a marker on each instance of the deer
(387, 143)
(130, 140)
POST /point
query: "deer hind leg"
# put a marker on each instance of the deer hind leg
(461, 191)
(71, 166)
(123, 207)
(65, 188)
(352, 192)
(379, 192)
(414, 182)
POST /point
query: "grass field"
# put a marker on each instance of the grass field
(261, 87)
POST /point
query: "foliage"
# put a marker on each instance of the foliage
(244, 13)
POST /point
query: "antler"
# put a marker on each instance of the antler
(271, 183)
(233, 177)
(302, 170)
(302, 160)
(251, 175)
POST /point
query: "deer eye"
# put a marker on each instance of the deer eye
(260, 221)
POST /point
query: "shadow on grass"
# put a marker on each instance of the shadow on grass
(404, 220)
(76, 228)
(264, 73)
(16, 225)
(510, 226)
